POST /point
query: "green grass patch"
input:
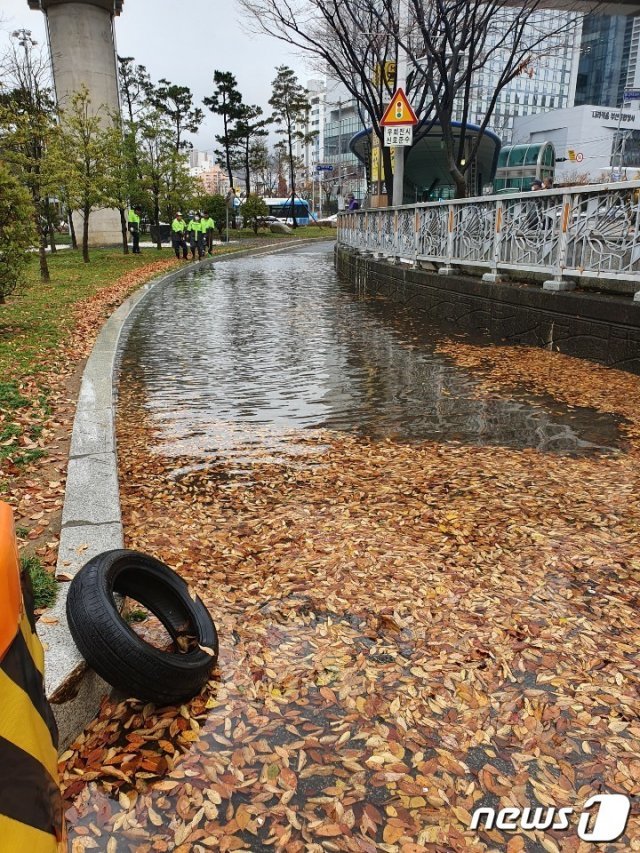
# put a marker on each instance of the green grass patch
(45, 586)
(37, 319)
(24, 457)
(10, 397)
(35, 323)
(303, 232)
(135, 616)
(9, 431)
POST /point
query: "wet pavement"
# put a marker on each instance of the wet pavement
(422, 558)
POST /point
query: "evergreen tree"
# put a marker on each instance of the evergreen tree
(166, 184)
(17, 229)
(226, 101)
(135, 88)
(253, 209)
(176, 103)
(290, 103)
(248, 130)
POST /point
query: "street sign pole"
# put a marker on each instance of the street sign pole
(618, 147)
(401, 80)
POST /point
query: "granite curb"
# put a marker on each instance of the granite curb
(91, 518)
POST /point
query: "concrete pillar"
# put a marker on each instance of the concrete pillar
(83, 53)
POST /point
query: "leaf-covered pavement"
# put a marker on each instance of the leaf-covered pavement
(407, 632)
(38, 365)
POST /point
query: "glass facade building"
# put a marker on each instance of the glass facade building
(545, 83)
(604, 60)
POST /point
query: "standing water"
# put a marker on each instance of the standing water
(237, 356)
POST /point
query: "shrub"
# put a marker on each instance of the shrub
(17, 230)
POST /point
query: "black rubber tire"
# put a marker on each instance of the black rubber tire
(115, 651)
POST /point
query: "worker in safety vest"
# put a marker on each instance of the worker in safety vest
(208, 225)
(134, 228)
(178, 230)
(31, 816)
(196, 237)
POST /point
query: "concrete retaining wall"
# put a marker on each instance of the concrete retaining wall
(599, 327)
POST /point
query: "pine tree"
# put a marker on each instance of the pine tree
(290, 103)
(226, 101)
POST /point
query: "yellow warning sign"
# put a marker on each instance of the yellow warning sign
(399, 111)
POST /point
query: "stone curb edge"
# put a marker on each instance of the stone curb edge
(91, 519)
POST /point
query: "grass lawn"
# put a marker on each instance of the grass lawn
(302, 232)
(35, 323)
(36, 319)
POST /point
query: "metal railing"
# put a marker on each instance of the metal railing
(586, 232)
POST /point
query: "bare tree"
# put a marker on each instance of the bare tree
(344, 36)
(26, 119)
(447, 44)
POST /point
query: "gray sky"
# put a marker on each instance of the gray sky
(185, 42)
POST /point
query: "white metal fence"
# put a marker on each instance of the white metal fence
(587, 232)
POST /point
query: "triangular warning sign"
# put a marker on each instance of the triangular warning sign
(399, 111)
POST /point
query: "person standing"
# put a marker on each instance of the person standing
(208, 226)
(134, 228)
(196, 237)
(178, 228)
(547, 184)
(352, 204)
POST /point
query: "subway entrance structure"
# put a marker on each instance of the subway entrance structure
(82, 46)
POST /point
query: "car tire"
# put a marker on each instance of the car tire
(116, 652)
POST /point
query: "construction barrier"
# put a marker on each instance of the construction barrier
(30, 802)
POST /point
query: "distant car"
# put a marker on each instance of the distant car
(266, 221)
(329, 220)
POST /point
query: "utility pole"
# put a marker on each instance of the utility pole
(401, 82)
(340, 194)
(618, 145)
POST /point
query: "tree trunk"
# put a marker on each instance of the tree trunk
(388, 172)
(460, 182)
(72, 229)
(292, 176)
(123, 228)
(51, 229)
(156, 216)
(44, 266)
(86, 210)
(247, 173)
(42, 248)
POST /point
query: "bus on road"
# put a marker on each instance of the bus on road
(281, 208)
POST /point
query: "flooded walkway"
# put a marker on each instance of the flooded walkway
(422, 556)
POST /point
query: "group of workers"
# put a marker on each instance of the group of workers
(199, 231)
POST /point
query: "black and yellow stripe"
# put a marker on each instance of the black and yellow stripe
(30, 801)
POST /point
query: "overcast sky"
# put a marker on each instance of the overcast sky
(185, 43)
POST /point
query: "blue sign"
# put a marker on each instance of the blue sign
(324, 167)
(631, 95)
